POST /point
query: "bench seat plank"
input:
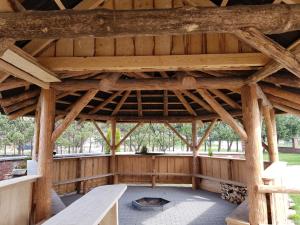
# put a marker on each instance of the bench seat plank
(91, 208)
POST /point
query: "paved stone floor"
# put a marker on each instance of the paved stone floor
(187, 207)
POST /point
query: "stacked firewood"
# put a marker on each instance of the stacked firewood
(233, 193)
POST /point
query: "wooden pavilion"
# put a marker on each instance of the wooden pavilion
(183, 61)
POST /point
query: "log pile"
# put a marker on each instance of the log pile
(233, 193)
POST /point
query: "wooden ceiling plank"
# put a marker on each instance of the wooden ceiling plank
(261, 42)
(120, 104)
(226, 117)
(237, 61)
(76, 109)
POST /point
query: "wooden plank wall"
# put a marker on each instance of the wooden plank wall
(138, 169)
(71, 168)
(226, 169)
(161, 45)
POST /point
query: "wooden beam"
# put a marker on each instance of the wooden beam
(270, 122)
(105, 102)
(236, 61)
(185, 103)
(5, 102)
(22, 60)
(278, 189)
(258, 40)
(76, 109)
(206, 133)
(226, 117)
(128, 134)
(139, 101)
(10, 69)
(254, 162)
(284, 79)
(101, 133)
(285, 102)
(22, 112)
(178, 134)
(287, 109)
(264, 99)
(120, 104)
(37, 128)
(42, 193)
(166, 106)
(12, 83)
(20, 105)
(197, 100)
(281, 93)
(37, 45)
(111, 23)
(151, 84)
(272, 66)
(113, 151)
(225, 98)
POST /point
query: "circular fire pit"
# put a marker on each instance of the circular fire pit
(150, 203)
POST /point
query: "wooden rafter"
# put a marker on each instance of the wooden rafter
(281, 93)
(236, 61)
(225, 98)
(22, 112)
(76, 109)
(185, 103)
(101, 133)
(258, 40)
(120, 104)
(287, 109)
(272, 66)
(178, 134)
(285, 102)
(197, 100)
(206, 133)
(226, 117)
(105, 102)
(72, 24)
(4, 102)
(139, 103)
(128, 134)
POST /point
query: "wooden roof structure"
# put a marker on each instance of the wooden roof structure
(157, 77)
(151, 61)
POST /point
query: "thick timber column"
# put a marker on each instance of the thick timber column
(45, 156)
(270, 121)
(254, 159)
(195, 153)
(113, 151)
(36, 137)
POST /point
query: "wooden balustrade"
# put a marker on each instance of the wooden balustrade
(16, 200)
(81, 174)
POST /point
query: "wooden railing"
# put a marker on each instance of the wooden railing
(16, 200)
(82, 174)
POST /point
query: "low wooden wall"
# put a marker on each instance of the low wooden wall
(16, 200)
(82, 174)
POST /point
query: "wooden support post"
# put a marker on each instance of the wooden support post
(78, 175)
(195, 154)
(45, 157)
(113, 151)
(36, 138)
(254, 160)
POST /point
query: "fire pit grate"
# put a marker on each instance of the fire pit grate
(150, 203)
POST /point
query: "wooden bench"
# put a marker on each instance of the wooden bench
(97, 207)
(239, 216)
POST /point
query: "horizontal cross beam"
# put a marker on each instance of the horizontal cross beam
(122, 23)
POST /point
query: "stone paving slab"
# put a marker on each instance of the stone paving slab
(187, 207)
